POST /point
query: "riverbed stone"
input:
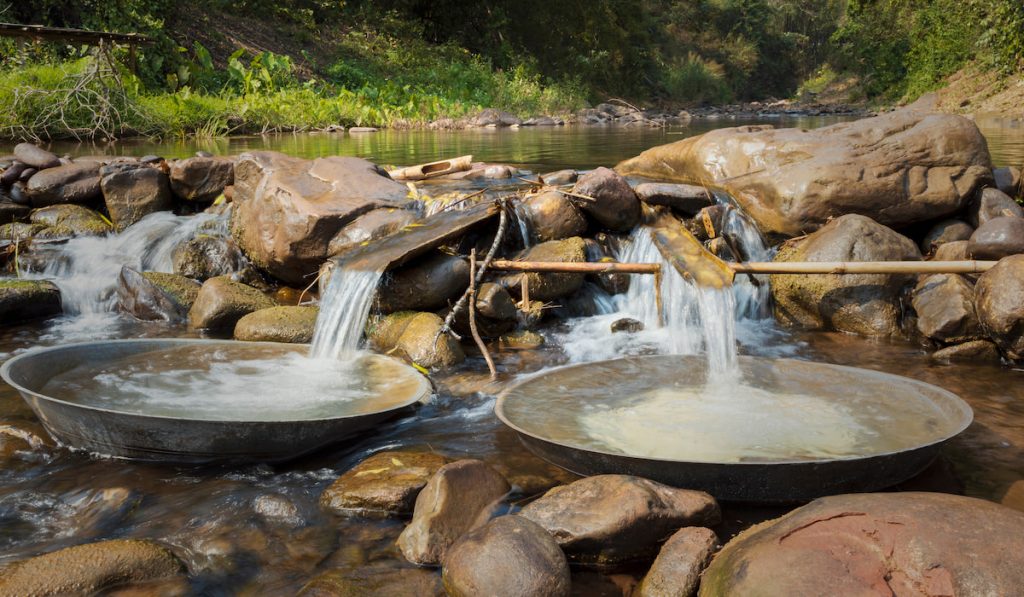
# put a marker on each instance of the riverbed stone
(12, 212)
(494, 301)
(686, 199)
(509, 556)
(426, 284)
(1007, 180)
(289, 324)
(287, 210)
(547, 287)
(206, 256)
(944, 304)
(24, 300)
(375, 224)
(491, 117)
(90, 568)
(458, 498)
(1000, 304)
(375, 579)
(155, 296)
(992, 203)
(552, 216)
(614, 204)
(901, 167)
(12, 173)
(676, 571)
(386, 483)
(610, 520)
(559, 177)
(866, 304)
(73, 183)
(221, 302)
(997, 238)
(35, 156)
(626, 324)
(974, 351)
(951, 251)
(70, 220)
(201, 179)
(420, 343)
(908, 543)
(133, 191)
(946, 231)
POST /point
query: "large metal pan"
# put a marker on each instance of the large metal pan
(546, 411)
(180, 439)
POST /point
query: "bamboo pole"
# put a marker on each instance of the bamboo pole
(575, 267)
(862, 267)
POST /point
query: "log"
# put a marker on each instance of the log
(575, 268)
(863, 267)
(433, 169)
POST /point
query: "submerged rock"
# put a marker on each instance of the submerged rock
(866, 304)
(154, 296)
(547, 287)
(509, 556)
(627, 324)
(221, 302)
(902, 167)
(133, 191)
(975, 351)
(990, 204)
(686, 199)
(521, 340)
(386, 483)
(87, 569)
(946, 231)
(676, 571)
(997, 238)
(201, 179)
(425, 285)
(375, 580)
(552, 216)
(35, 157)
(614, 204)
(207, 256)
(1000, 305)
(24, 300)
(73, 183)
(278, 324)
(610, 520)
(458, 498)
(906, 543)
(944, 304)
(559, 177)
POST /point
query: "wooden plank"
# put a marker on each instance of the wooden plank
(40, 32)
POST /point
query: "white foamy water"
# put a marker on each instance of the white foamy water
(344, 309)
(753, 295)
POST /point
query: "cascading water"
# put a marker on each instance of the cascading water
(752, 293)
(344, 309)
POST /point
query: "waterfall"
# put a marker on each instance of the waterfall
(752, 293)
(523, 220)
(344, 309)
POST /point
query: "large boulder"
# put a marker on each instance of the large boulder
(990, 204)
(677, 569)
(686, 199)
(548, 287)
(876, 544)
(458, 498)
(72, 183)
(206, 256)
(609, 520)
(23, 300)
(997, 238)
(288, 210)
(154, 296)
(944, 304)
(550, 215)
(278, 324)
(425, 285)
(1000, 304)
(89, 569)
(612, 202)
(201, 179)
(35, 157)
(133, 191)
(221, 302)
(386, 483)
(867, 304)
(902, 167)
(509, 556)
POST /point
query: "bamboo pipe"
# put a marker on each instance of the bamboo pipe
(760, 267)
(575, 267)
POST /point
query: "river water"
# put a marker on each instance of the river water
(258, 529)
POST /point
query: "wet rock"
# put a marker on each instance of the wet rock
(683, 198)
(67, 221)
(133, 191)
(615, 205)
(997, 238)
(860, 304)
(221, 302)
(990, 204)
(23, 300)
(19, 195)
(12, 173)
(21, 439)
(169, 587)
(547, 287)
(721, 248)
(509, 556)
(287, 210)
(905, 543)
(278, 324)
(944, 304)
(676, 571)
(419, 343)
(12, 212)
(207, 256)
(35, 157)
(610, 520)
(74, 183)
(277, 508)
(154, 296)
(201, 179)
(1007, 180)
(19, 231)
(559, 177)
(375, 580)
(975, 351)
(425, 285)
(357, 130)
(951, 251)
(492, 300)
(486, 172)
(946, 231)
(27, 174)
(521, 340)
(1000, 304)
(495, 118)
(370, 226)
(386, 483)
(382, 333)
(552, 216)
(903, 167)
(626, 324)
(86, 569)
(458, 498)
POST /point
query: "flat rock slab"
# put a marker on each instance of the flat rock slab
(385, 483)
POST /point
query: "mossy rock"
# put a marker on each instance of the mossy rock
(24, 300)
(383, 333)
(278, 324)
(222, 302)
(155, 296)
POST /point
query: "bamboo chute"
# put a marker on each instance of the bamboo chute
(433, 169)
(760, 267)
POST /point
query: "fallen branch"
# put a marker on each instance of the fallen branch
(472, 317)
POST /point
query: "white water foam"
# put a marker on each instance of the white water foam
(753, 296)
(344, 309)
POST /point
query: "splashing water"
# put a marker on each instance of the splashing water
(753, 296)
(344, 309)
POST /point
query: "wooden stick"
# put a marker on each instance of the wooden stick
(862, 267)
(472, 317)
(575, 267)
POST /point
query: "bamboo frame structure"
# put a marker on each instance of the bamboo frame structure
(760, 267)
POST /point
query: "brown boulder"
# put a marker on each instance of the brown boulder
(287, 210)
(201, 179)
(613, 203)
(610, 520)
(951, 251)
(493, 301)
(153, 296)
(509, 556)
(551, 216)
(990, 204)
(73, 183)
(414, 336)
(386, 483)
(946, 231)
(547, 287)
(997, 238)
(221, 302)
(686, 199)
(1000, 305)
(867, 304)
(22, 300)
(292, 324)
(425, 285)
(35, 157)
(902, 167)
(944, 304)
(676, 571)
(133, 191)
(876, 544)
(458, 498)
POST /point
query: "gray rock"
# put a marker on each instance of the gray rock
(615, 205)
(221, 302)
(133, 191)
(12, 173)
(626, 324)
(23, 300)
(1007, 180)
(683, 198)
(944, 304)
(1000, 304)
(997, 238)
(386, 483)
(495, 118)
(992, 203)
(207, 256)
(74, 183)
(278, 324)
(35, 157)
(676, 571)
(153, 296)
(946, 231)
(551, 215)
(201, 179)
